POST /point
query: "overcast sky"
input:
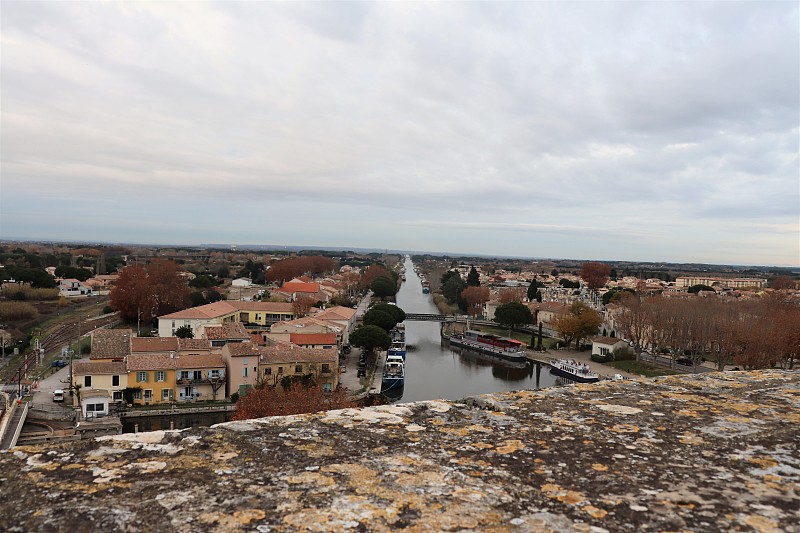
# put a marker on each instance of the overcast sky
(632, 131)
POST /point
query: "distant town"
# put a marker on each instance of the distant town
(95, 337)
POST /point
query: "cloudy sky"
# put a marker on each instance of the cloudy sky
(632, 131)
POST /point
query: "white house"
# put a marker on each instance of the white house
(73, 287)
(606, 345)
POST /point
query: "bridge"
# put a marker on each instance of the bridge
(426, 317)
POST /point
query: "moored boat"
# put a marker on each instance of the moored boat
(394, 372)
(508, 349)
(574, 370)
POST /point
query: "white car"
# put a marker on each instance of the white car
(58, 395)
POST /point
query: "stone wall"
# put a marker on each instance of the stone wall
(710, 452)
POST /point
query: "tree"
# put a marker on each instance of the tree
(783, 282)
(512, 314)
(382, 319)
(81, 274)
(595, 274)
(296, 399)
(533, 292)
(168, 288)
(370, 337)
(567, 284)
(452, 286)
(373, 272)
(302, 305)
(475, 298)
(383, 287)
(581, 322)
(132, 295)
(398, 314)
(512, 294)
(473, 278)
(694, 289)
(184, 332)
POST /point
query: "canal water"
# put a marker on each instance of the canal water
(434, 371)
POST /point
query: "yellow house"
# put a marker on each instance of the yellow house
(153, 377)
(283, 359)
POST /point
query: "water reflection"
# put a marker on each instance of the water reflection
(434, 370)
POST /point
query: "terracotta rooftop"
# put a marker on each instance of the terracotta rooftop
(299, 287)
(150, 361)
(606, 340)
(208, 311)
(200, 361)
(193, 344)
(154, 344)
(97, 367)
(707, 453)
(336, 313)
(233, 330)
(312, 338)
(241, 349)
(111, 343)
(286, 352)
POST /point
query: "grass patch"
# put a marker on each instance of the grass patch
(644, 369)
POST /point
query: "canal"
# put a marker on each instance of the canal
(435, 371)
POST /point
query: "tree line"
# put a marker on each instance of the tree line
(758, 333)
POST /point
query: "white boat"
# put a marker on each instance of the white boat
(574, 370)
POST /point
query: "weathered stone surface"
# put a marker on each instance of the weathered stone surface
(714, 452)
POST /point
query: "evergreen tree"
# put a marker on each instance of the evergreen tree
(473, 278)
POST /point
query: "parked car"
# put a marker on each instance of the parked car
(343, 369)
(58, 395)
(58, 363)
(362, 372)
(685, 361)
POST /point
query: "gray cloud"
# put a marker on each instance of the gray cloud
(510, 117)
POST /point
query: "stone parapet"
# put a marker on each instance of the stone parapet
(710, 452)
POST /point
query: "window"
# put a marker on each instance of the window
(603, 351)
(141, 377)
(148, 395)
(268, 371)
(326, 387)
(245, 361)
(280, 370)
(298, 369)
(95, 407)
(137, 395)
(184, 374)
(214, 374)
(327, 346)
(161, 375)
(166, 394)
(197, 374)
(87, 381)
(326, 367)
(244, 372)
(117, 395)
(115, 381)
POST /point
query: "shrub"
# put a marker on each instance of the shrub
(107, 309)
(597, 358)
(24, 292)
(234, 397)
(17, 311)
(624, 354)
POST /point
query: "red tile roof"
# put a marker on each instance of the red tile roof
(84, 368)
(304, 339)
(336, 313)
(111, 343)
(154, 344)
(284, 352)
(300, 287)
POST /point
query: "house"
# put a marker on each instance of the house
(111, 344)
(606, 345)
(221, 313)
(314, 341)
(100, 383)
(241, 282)
(200, 377)
(343, 317)
(292, 290)
(546, 313)
(73, 287)
(281, 360)
(153, 377)
(242, 360)
(219, 336)
(282, 331)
